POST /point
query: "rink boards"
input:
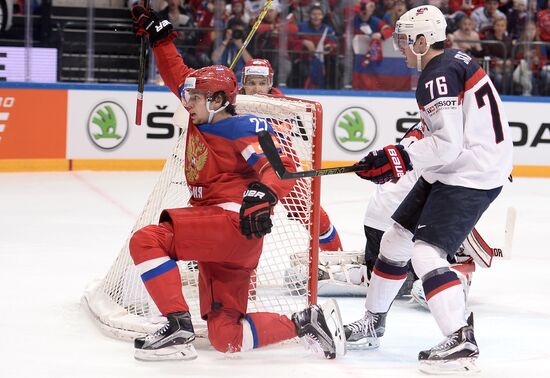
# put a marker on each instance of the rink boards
(47, 127)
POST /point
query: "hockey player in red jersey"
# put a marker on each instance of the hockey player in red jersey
(257, 78)
(464, 160)
(223, 230)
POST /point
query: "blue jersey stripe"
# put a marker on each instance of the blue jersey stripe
(253, 159)
(253, 329)
(162, 268)
(236, 127)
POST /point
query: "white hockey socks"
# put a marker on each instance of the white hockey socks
(390, 270)
(442, 287)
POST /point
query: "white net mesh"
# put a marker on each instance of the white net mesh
(120, 302)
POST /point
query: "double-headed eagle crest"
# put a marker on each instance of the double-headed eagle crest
(195, 158)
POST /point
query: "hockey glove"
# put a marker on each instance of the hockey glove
(255, 214)
(147, 21)
(386, 164)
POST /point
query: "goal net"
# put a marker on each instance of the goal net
(286, 278)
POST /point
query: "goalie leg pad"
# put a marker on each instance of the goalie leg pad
(478, 249)
(342, 274)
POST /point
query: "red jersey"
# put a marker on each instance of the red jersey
(221, 158)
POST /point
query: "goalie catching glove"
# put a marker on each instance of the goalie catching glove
(147, 21)
(384, 165)
(258, 203)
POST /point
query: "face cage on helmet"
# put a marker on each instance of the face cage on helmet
(401, 41)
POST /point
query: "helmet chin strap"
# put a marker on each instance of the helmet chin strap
(212, 113)
(419, 56)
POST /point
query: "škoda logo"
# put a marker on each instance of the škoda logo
(107, 125)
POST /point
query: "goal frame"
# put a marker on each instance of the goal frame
(112, 316)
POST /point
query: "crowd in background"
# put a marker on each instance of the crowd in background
(501, 32)
(332, 44)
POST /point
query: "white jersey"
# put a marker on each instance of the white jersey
(387, 197)
(467, 141)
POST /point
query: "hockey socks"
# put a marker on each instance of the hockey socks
(387, 278)
(163, 283)
(264, 328)
(445, 296)
(328, 236)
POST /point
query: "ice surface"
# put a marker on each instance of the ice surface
(59, 231)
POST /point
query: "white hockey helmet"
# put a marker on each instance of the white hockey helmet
(426, 20)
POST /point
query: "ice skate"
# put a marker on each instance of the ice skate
(171, 342)
(312, 328)
(365, 333)
(456, 354)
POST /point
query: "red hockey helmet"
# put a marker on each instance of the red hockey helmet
(212, 79)
(257, 67)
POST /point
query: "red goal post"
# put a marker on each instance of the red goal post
(286, 277)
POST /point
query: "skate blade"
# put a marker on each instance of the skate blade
(335, 325)
(313, 345)
(463, 366)
(174, 352)
(363, 344)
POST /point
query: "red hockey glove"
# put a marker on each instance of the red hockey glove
(386, 164)
(147, 21)
(258, 203)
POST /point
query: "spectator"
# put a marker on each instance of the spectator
(267, 41)
(156, 5)
(211, 16)
(458, 9)
(484, 17)
(225, 53)
(543, 23)
(300, 9)
(501, 65)
(530, 76)
(365, 22)
(319, 42)
(383, 7)
(464, 38)
(464, 6)
(517, 18)
(238, 11)
(181, 16)
(399, 8)
(372, 70)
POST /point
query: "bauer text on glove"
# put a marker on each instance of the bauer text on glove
(256, 209)
(389, 163)
(147, 21)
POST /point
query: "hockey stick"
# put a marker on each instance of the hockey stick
(509, 233)
(274, 159)
(141, 77)
(251, 33)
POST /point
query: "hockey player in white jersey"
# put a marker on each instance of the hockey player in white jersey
(464, 159)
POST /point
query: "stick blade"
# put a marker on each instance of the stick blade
(270, 151)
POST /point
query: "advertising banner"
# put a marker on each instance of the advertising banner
(100, 125)
(81, 124)
(32, 123)
(354, 125)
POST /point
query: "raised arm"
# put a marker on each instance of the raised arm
(160, 34)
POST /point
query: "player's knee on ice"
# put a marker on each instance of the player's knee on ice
(225, 330)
